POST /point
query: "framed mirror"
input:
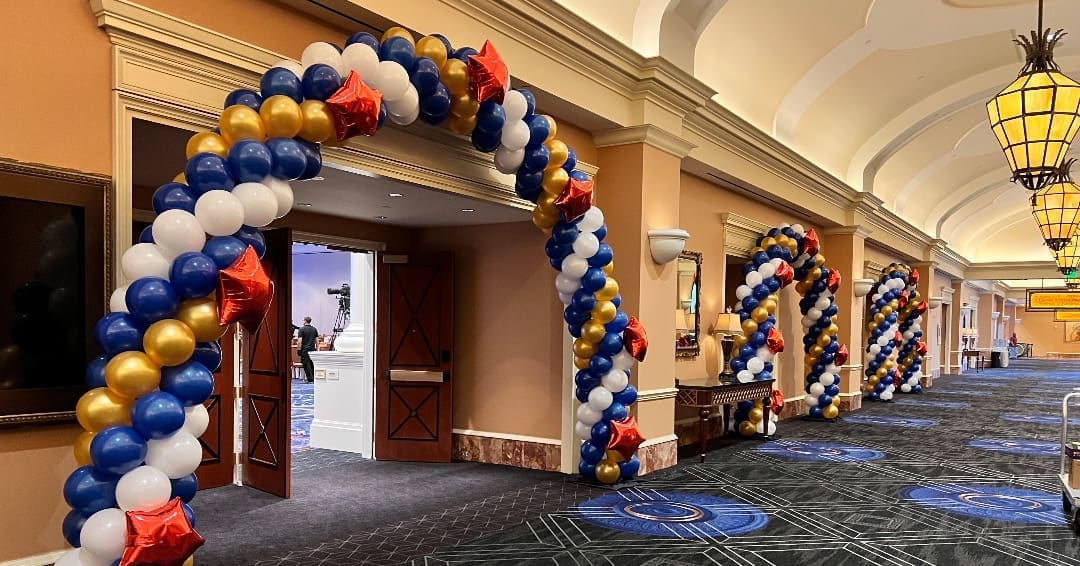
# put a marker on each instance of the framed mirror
(688, 305)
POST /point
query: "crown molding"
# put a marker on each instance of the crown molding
(647, 134)
(872, 269)
(1013, 270)
(741, 233)
(857, 231)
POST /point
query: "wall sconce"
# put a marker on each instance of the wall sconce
(862, 287)
(995, 315)
(666, 244)
(934, 302)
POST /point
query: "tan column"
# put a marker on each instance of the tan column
(954, 365)
(638, 190)
(844, 249)
(985, 322)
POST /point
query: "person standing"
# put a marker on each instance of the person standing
(308, 337)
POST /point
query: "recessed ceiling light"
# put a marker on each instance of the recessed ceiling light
(468, 210)
(380, 218)
(303, 204)
(395, 195)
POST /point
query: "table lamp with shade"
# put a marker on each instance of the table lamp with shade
(726, 328)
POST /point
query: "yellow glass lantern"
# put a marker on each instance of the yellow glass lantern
(1037, 116)
(1056, 207)
(1068, 258)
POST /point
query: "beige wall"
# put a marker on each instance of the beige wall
(874, 254)
(1039, 328)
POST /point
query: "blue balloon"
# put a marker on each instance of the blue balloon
(627, 396)
(616, 412)
(574, 331)
(617, 301)
(224, 250)
(118, 450)
(288, 158)
(95, 371)
(824, 401)
(575, 317)
(185, 487)
(737, 364)
(749, 303)
(557, 251)
(248, 98)
(619, 323)
(491, 117)
(249, 161)
(582, 394)
(530, 101)
(603, 256)
(816, 412)
(583, 300)
(193, 275)
(146, 236)
(398, 49)
(586, 380)
(579, 175)
(90, 490)
(313, 157)
(365, 38)
(425, 76)
(383, 113)
(118, 332)
(278, 80)
(150, 299)
(527, 193)
(594, 279)
(485, 141)
(530, 179)
(207, 171)
(599, 366)
(773, 284)
(629, 468)
(611, 344)
(72, 527)
(571, 160)
(600, 232)
(191, 382)
(766, 374)
(174, 196)
(445, 42)
(157, 415)
(435, 107)
(761, 292)
(320, 81)
(564, 233)
(463, 53)
(251, 236)
(591, 453)
(189, 513)
(587, 470)
(601, 433)
(536, 158)
(757, 339)
(833, 390)
(539, 128)
(208, 354)
(746, 351)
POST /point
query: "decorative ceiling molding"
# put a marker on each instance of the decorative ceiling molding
(1013, 270)
(857, 231)
(646, 134)
(741, 233)
(872, 269)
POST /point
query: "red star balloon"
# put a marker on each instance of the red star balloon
(841, 355)
(488, 76)
(777, 403)
(913, 278)
(898, 338)
(785, 274)
(575, 199)
(921, 308)
(637, 343)
(921, 348)
(833, 281)
(775, 341)
(355, 108)
(160, 537)
(811, 245)
(625, 437)
(903, 300)
(244, 291)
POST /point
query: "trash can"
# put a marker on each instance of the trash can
(995, 359)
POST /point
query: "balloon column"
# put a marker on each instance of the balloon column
(895, 311)
(784, 255)
(913, 349)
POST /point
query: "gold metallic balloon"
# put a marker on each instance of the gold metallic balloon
(756, 415)
(819, 260)
(316, 125)
(759, 314)
(592, 331)
(768, 241)
(455, 75)
(82, 447)
(100, 408)
(832, 330)
(747, 428)
(739, 341)
(546, 203)
(824, 340)
(555, 181)
(433, 48)
(206, 142)
(885, 311)
(180, 178)
(769, 304)
(398, 31)
(801, 287)
(816, 351)
(830, 412)
(559, 153)
(815, 274)
(608, 291)
(749, 326)
(132, 374)
(553, 128)
(190, 561)
(583, 348)
(240, 122)
(461, 125)
(881, 372)
(281, 116)
(581, 363)
(609, 269)
(836, 402)
(874, 379)
(543, 220)
(201, 315)
(614, 456)
(604, 311)
(463, 105)
(607, 471)
(169, 342)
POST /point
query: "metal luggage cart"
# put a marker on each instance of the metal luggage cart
(1070, 498)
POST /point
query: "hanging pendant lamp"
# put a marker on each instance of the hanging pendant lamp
(1037, 116)
(1068, 257)
(1056, 207)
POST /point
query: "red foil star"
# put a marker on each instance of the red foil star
(898, 338)
(637, 343)
(903, 300)
(834, 281)
(625, 437)
(575, 199)
(488, 75)
(775, 341)
(811, 245)
(842, 355)
(921, 348)
(913, 278)
(777, 402)
(159, 537)
(355, 108)
(785, 274)
(244, 292)
(921, 308)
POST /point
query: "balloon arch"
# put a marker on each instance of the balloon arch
(196, 270)
(896, 322)
(783, 255)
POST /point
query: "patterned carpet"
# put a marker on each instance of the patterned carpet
(303, 410)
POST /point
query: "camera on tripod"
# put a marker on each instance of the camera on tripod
(342, 291)
(342, 319)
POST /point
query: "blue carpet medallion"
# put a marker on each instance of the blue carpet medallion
(935, 404)
(990, 502)
(972, 392)
(672, 514)
(1021, 446)
(1037, 419)
(883, 420)
(819, 451)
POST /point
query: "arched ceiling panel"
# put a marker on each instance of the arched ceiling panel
(1019, 241)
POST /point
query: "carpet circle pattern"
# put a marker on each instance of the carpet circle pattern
(1037, 419)
(937, 404)
(995, 503)
(883, 420)
(672, 514)
(819, 451)
(1022, 447)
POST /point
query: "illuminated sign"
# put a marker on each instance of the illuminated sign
(1042, 300)
(1066, 316)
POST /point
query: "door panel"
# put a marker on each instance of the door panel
(414, 389)
(218, 441)
(266, 457)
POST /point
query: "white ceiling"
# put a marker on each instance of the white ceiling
(158, 154)
(887, 95)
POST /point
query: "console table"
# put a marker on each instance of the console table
(705, 393)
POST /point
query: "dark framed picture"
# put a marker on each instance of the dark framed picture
(52, 288)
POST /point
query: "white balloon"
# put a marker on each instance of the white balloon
(755, 365)
(883, 340)
(515, 134)
(833, 369)
(142, 489)
(764, 353)
(592, 220)
(623, 360)
(177, 455)
(515, 105)
(742, 292)
(360, 58)
(908, 335)
(761, 427)
(586, 415)
(888, 394)
(178, 231)
(875, 297)
(118, 300)
(196, 419)
(283, 193)
(582, 430)
(566, 298)
(259, 203)
(296, 68)
(745, 376)
(753, 279)
(574, 266)
(391, 79)
(144, 260)
(813, 314)
(219, 213)
(766, 270)
(600, 399)
(817, 389)
(905, 388)
(874, 349)
(586, 245)
(798, 228)
(105, 532)
(406, 119)
(566, 284)
(405, 105)
(827, 379)
(508, 160)
(822, 303)
(322, 52)
(615, 380)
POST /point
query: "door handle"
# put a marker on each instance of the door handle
(446, 356)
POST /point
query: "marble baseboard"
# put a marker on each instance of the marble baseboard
(658, 456)
(928, 381)
(853, 403)
(508, 452)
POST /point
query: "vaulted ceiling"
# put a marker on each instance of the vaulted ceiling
(887, 95)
